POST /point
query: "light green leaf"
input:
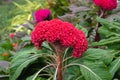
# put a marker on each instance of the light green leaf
(108, 23)
(106, 41)
(115, 65)
(107, 32)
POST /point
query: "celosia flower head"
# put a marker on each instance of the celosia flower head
(42, 14)
(106, 4)
(59, 31)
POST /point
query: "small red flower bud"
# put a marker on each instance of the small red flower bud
(106, 4)
(15, 44)
(5, 54)
(11, 35)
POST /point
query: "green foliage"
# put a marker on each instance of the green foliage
(96, 55)
(90, 66)
(28, 63)
(23, 58)
(95, 71)
(110, 31)
(58, 7)
(26, 11)
(115, 65)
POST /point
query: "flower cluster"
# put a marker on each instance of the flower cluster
(64, 32)
(106, 4)
(42, 14)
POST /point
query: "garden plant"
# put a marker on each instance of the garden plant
(60, 40)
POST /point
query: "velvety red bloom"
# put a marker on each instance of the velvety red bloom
(106, 4)
(59, 31)
(11, 35)
(42, 14)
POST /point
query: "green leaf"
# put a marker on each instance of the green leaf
(115, 65)
(97, 55)
(82, 28)
(95, 71)
(73, 73)
(108, 23)
(19, 6)
(34, 77)
(106, 41)
(23, 53)
(6, 44)
(106, 32)
(38, 78)
(22, 60)
(17, 69)
(26, 38)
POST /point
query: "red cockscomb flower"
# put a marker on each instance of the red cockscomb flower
(11, 35)
(106, 4)
(42, 14)
(64, 32)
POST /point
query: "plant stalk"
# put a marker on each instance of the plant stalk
(60, 67)
(101, 14)
(59, 49)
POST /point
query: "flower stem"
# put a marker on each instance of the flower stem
(101, 14)
(59, 49)
(60, 66)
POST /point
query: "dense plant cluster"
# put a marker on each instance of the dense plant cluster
(60, 40)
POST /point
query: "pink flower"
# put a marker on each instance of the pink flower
(42, 14)
(11, 35)
(106, 4)
(64, 32)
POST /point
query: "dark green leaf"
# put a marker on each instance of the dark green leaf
(22, 60)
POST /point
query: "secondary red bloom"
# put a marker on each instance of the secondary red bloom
(11, 35)
(5, 54)
(64, 32)
(106, 4)
(15, 44)
(42, 14)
